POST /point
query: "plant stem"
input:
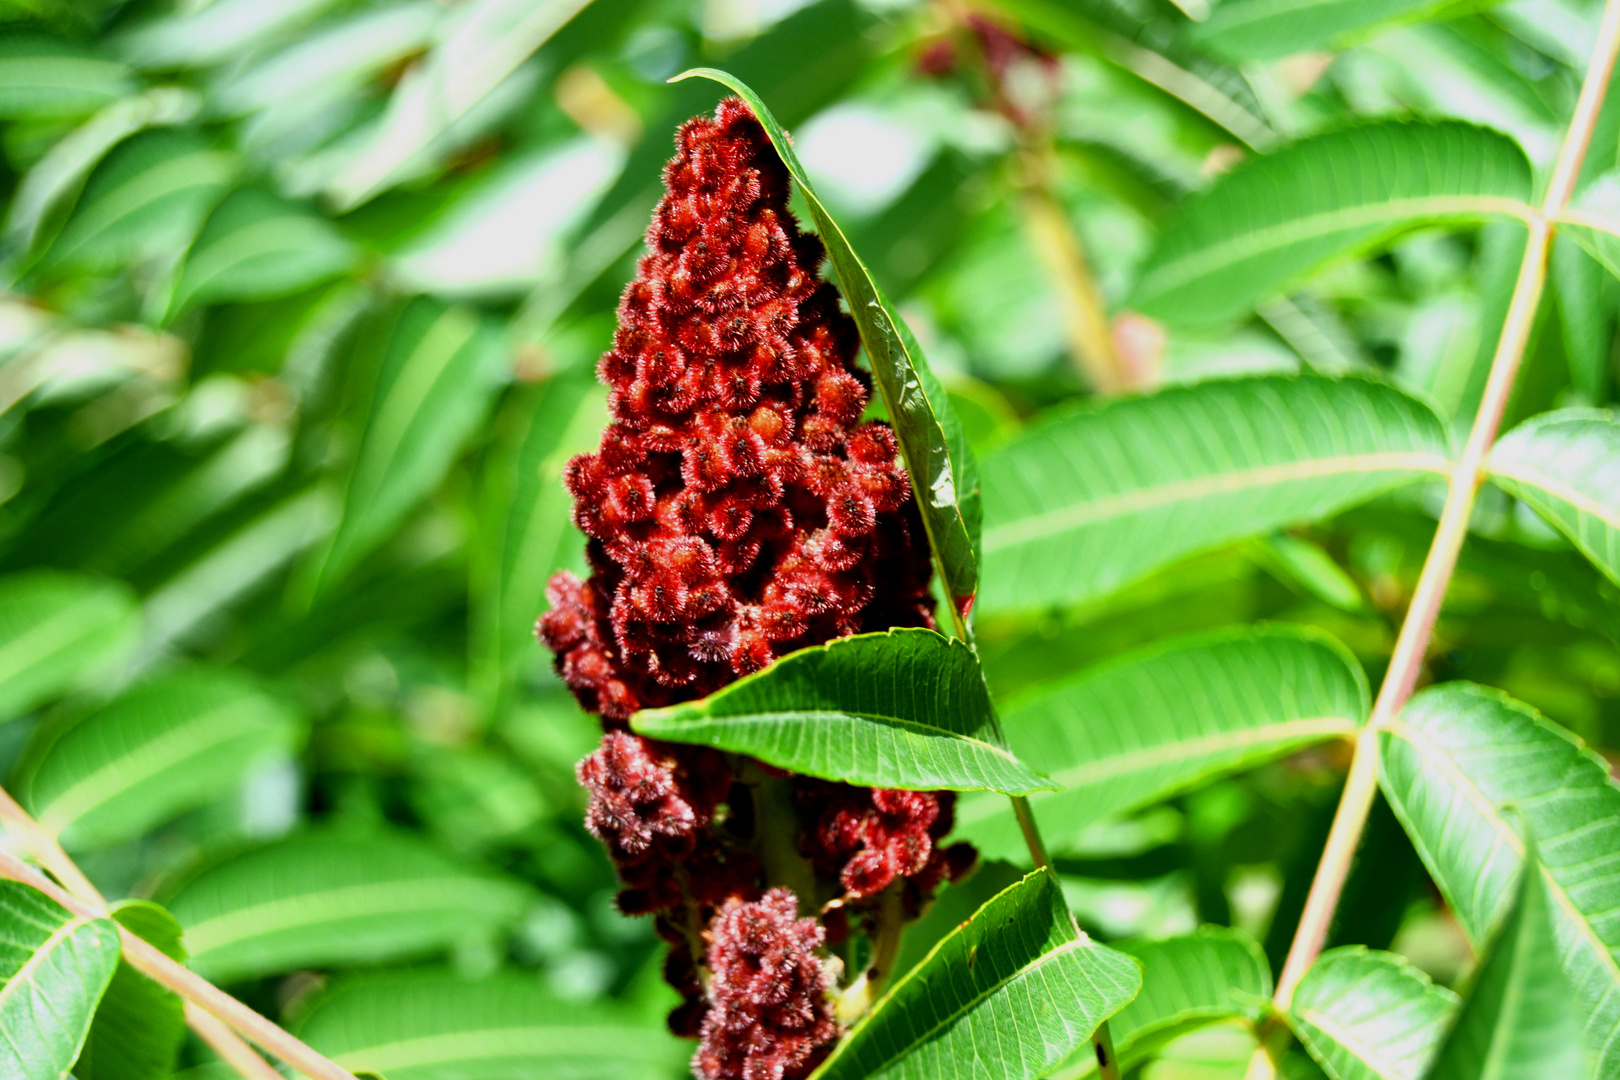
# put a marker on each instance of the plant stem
(44, 847)
(152, 963)
(228, 1044)
(1361, 786)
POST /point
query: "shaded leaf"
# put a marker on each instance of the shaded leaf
(943, 473)
(151, 192)
(1137, 729)
(54, 967)
(902, 709)
(1277, 217)
(1370, 1015)
(256, 246)
(1566, 466)
(1009, 994)
(1451, 764)
(1090, 499)
(327, 898)
(57, 633)
(440, 373)
(432, 1025)
(166, 746)
(140, 1024)
(1517, 1022)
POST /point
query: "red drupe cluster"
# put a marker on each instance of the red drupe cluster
(869, 837)
(738, 509)
(769, 1017)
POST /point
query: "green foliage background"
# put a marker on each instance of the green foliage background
(304, 298)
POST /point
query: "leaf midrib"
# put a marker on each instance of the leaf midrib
(1121, 504)
(1203, 261)
(1119, 764)
(1559, 489)
(331, 905)
(488, 1043)
(71, 616)
(156, 754)
(788, 716)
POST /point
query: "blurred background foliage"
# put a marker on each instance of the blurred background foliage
(303, 302)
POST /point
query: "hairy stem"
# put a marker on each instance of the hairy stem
(1361, 786)
(152, 963)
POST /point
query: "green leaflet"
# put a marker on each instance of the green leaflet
(433, 1025)
(140, 1025)
(58, 632)
(1133, 731)
(54, 967)
(441, 371)
(163, 747)
(256, 246)
(45, 77)
(152, 192)
(1090, 499)
(1451, 765)
(1268, 29)
(1566, 465)
(328, 898)
(1188, 982)
(902, 709)
(1517, 1022)
(1281, 215)
(943, 474)
(1370, 1015)
(1009, 994)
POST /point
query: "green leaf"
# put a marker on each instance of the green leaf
(902, 709)
(1188, 982)
(485, 46)
(328, 898)
(530, 525)
(1277, 217)
(1009, 994)
(58, 632)
(1137, 729)
(54, 967)
(140, 1024)
(169, 745)
(441, 371)
(1090, 499)
(1370, 1015)
(257, 246)
(1593, 220)
(43, 77)
(1241, 30)
(1517, 1022)
(151, 193)
(1566, 466)
(944, 476)
(432, 1025)
(1451, 764)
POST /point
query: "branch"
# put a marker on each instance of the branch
(199, 994)
(1361, 786)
